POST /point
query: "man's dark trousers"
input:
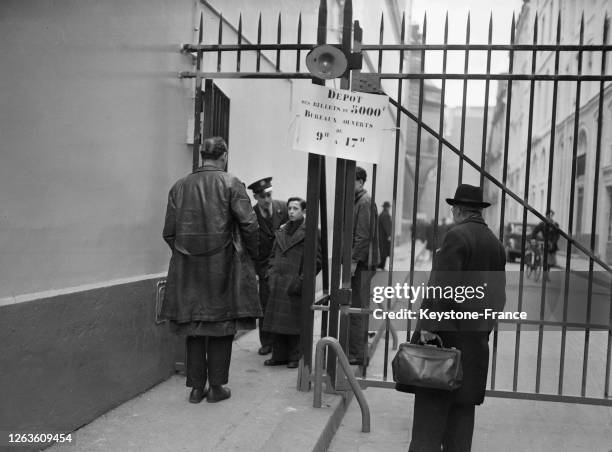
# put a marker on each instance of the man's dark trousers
(358, 326)
(286, 347)
(208, 357)
(437, 420)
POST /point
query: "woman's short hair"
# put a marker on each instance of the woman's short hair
(301, 201)
(213, 148)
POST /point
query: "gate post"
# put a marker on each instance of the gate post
(343, 226)
(316, 165)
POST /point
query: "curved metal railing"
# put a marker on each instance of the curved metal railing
(346, 368)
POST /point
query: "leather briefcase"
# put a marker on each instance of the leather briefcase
(428, 366)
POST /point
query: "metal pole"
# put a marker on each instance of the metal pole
(313, 194)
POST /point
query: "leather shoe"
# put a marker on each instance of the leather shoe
(196, 395)
(273, 362)
(217, 394)
(293, 364)
(264, 350)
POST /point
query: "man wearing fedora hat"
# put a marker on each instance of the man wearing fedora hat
(470, 256)
(271, 214)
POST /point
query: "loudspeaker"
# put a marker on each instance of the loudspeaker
(326, 62)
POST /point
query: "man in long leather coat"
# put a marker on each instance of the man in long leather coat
(211, 289)
(271, 214)
(470, 256)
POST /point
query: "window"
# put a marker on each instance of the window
(580, 165)
(609, 190)
(589, 60)
(581, 159)
(579, 207)
(609, 54)
(430, 145)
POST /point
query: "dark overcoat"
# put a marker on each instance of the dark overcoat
(365, 230)
(212, 231)
(284, 311)
(550, 232)
(471, 255)
(267, 228)
(384, 234)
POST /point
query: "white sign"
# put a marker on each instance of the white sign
(340, 123)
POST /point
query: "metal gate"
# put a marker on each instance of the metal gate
(334, 302)
(214, 104)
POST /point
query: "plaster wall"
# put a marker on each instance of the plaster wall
(92, 133)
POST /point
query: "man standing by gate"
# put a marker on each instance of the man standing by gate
(271, 214)
(211, 290)
(364, 262)
(470, 256)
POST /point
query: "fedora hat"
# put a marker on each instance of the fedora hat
(468, 195)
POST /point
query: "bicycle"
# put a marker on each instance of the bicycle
(533, 259)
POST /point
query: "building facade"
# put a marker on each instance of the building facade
(586, 195)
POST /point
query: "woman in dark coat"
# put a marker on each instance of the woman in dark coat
(283, 314)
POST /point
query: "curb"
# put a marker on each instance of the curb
(333, 422)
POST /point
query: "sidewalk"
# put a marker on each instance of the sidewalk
(504, 425)
(265, 413)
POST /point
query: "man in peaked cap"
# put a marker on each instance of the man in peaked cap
(470, 256)
(270, 215)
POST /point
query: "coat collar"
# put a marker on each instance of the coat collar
(474, 219)
(207, 167)
(359, 194)
(286, 241)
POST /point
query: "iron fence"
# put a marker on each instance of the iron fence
(335, 300)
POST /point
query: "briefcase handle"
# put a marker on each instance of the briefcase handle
(437, 341)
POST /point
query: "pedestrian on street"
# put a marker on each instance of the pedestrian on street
(283, 316)
(211, 289)
(384, 234)
(470, 256)
(271, 214)
(364, 263)
(548, 231)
